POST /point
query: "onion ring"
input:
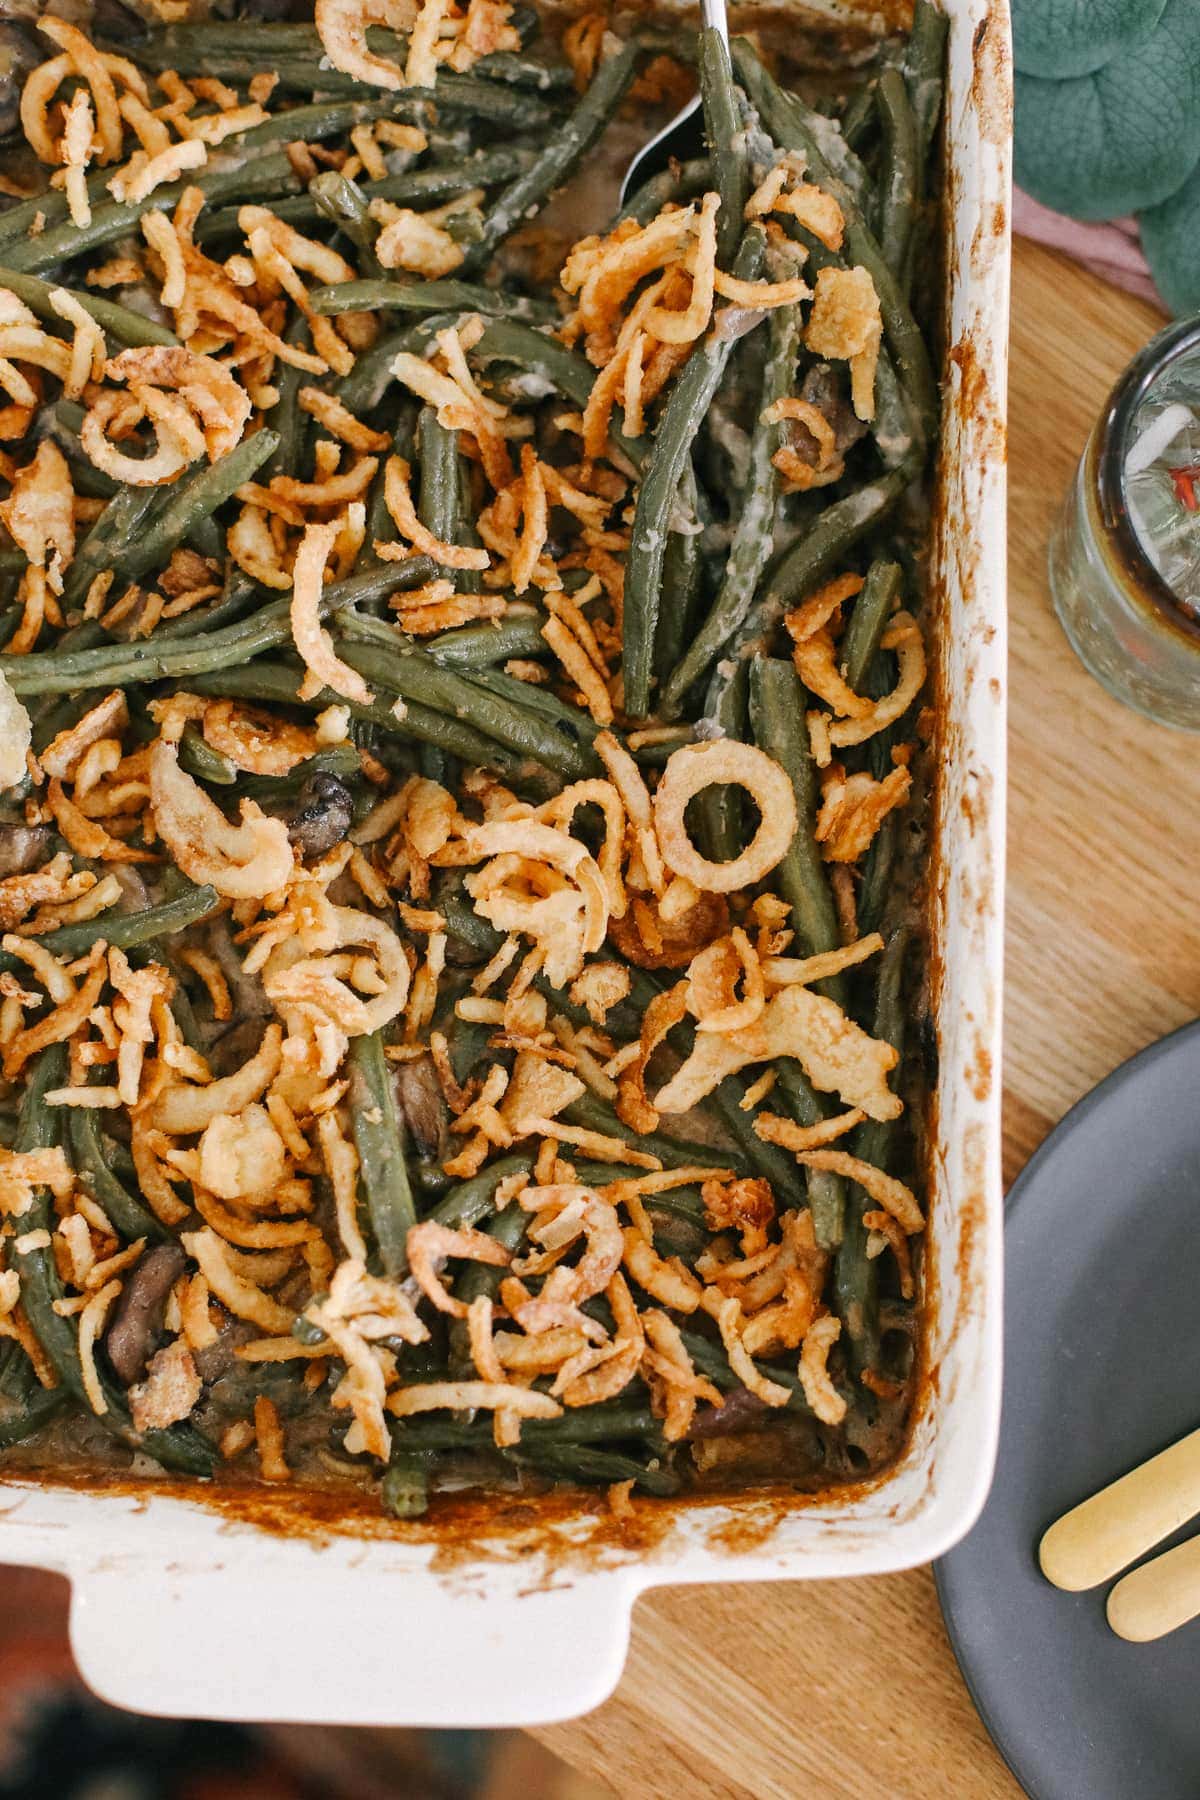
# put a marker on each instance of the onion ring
(697, 766)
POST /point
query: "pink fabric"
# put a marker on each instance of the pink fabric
(1112, 250)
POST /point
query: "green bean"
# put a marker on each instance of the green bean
(510, 340)
(674, 185)
(798, 569)
(124, 930)
(777, 709)
(413, 675)
(711, 1360)
(427, 297)
(202, 761)
(151, 659)
(371, 1097)
(473, 647)
(466, 1205)
(924, 65)
(579, 728)
(258, 178)
(179, 1446)
(826, 1191)
(343, 203)
(484, 168)
(718, 807)
(724, 130)
(683, 576)
(754, 529)
(482, 1281)
(131, 1219)
(438, 504)
(594, 1114)
(898, 432)
(126, 517)
(42, 1405)
(404, 1490)
(795, 129)
(279, 684)
(855, 1274)
(901, 155)
(788, 120)
(189, 48)
(872, 608)
(877, 874)
(582, 1462)
(607, 1422)
(229, 606)
(304, 68)
(195, 496)
(859, 115)
(687, 403)
(119, 322)
(368, 380)
(562, 153)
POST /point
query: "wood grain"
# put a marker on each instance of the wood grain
(848, 1689)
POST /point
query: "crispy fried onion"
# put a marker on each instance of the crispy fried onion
(853, 807)
(828, 1405)
(183, 1108)
(244, 861)
(799, 472)
(903, 635)
(845, 321)
(836, 1054)
(697, 766)
(430, 1247)
(811, 628)
(417, 537)
(80, 60)
(359, 1311)
(325, 667)
(661, 1016)
(193, 402)
(713, 977)
(310, 987)
(543, 883)
(255, 740)
(39, 516)
(342, 27)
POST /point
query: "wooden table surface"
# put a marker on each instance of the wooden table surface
(849, 1689)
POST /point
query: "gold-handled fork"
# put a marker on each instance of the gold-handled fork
(1104, 1534)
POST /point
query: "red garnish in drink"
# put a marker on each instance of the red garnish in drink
(1185, 479)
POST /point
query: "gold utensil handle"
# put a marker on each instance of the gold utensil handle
(1158, 1597)
(1105, 1534)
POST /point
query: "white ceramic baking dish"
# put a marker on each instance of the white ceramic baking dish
(521, 1615)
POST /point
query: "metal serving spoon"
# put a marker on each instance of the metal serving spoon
(682, 137)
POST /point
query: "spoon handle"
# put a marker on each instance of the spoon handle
(1104, 1534)
(713, 14)
(1158, 1597)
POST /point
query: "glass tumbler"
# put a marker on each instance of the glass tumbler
(1125, 553)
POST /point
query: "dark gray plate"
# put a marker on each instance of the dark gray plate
(1102, 1349)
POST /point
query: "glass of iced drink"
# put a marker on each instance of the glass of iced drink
(1125, 554)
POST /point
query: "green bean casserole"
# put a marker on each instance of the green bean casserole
(463, 739)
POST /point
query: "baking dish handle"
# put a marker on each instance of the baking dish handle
(336, 1645)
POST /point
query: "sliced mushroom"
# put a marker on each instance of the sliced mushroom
(19, 54)
(322, 817)
(420, 1099)
(826, 388)
(131, 1338)
(22, 847)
